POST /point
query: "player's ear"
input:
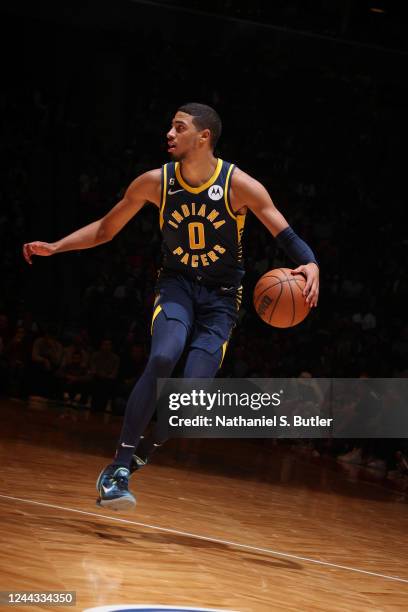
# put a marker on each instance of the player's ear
(205, 135)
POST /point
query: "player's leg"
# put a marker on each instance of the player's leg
(199, 364)
(172, 321)
(168, 341)
(216, 316)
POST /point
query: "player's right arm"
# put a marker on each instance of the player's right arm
(145, 188)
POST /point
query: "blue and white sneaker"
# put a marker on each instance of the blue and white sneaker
(112, 486)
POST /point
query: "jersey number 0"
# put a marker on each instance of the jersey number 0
(196, 235)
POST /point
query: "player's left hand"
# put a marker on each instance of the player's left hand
(311, 290)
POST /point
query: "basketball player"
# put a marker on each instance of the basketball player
(202, 204)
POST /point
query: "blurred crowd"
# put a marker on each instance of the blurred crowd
(327, 161)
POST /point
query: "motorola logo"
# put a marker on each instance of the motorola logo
(215, 192)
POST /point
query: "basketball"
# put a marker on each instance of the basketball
(278, 298)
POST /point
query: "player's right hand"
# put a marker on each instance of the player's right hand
(45, 249)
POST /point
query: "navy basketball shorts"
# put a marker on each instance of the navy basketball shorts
(208, 313)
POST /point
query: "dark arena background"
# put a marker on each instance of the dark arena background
(313, 97)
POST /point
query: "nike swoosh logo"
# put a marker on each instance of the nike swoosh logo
(107, 489)
(171, 192)
(128, 445)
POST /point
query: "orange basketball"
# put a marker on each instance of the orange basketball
(278, 298)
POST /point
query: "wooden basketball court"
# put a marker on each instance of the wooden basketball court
(235, 526)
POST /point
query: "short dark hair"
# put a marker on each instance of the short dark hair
(204, 118)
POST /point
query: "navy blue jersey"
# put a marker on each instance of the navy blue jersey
(201, 233)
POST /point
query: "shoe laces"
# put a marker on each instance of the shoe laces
(121, 478)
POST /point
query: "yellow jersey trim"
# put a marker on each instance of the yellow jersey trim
(240, 219)
(163, 202)
(157, 310)
(224, 350)
(201, 188)
(227, 204)
(240, 226)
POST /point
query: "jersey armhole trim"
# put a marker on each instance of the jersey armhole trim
(227, 191)
(163, 198)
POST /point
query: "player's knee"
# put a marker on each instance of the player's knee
(162, 364)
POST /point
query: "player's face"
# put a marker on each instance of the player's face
(183, 138)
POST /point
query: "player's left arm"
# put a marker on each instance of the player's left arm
(248, 192)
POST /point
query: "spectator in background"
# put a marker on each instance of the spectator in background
(75, 378)
(46, 359)
(104, 367)
(17, 357)
(29, 324)
(76, 347)
(131, 366)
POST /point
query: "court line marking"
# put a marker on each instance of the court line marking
(197, 536)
